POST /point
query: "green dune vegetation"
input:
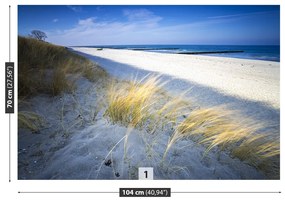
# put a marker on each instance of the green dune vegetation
(144, 105)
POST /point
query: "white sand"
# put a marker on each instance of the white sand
(73, 147)
(252, 80)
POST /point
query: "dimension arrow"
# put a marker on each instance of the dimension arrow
(6, 102)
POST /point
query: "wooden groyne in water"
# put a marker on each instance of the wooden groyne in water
(211, 52)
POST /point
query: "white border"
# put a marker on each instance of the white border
(9, 191)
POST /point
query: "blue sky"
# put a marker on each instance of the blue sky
(124, 25)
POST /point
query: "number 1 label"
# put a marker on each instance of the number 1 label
(146, 173)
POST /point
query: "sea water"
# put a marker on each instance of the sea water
(269, 53)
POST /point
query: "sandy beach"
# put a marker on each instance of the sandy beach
(249, 87)
(78, 139)
(253, 80)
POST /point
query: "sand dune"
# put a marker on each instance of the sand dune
(78, 139)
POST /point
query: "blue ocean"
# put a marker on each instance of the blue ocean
(269, 53)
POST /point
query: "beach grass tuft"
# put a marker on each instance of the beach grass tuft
(30, 120)
(131, 104)
(261, 151)
(135, 104)
(44, 68)
(214, 128)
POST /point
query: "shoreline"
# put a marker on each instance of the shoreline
(253, 80)
(235, 52)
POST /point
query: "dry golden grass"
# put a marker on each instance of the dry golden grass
(261, 151)
(50, 69)
(44, 68)
(213, 127)
(135, 104)
(30, 120)
(131, 105)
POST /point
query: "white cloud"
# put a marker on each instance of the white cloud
(55, 20)
(142, 16)
(142, 27)
(87, 22)
(239, 15)
(139, 14)
(76, 9)
(90, 31)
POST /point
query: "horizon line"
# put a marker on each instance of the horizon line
(177, 45)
